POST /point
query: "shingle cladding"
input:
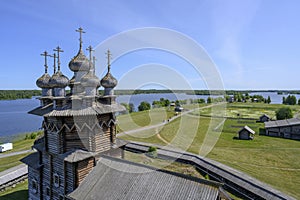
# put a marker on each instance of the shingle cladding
(281, 123)
(119, 179)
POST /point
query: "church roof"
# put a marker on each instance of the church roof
(120, 179)
(32, 160)
(76, 155)
(98, 108)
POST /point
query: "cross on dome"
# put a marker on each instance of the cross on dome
(45, 54)
(80, 30)
(58, 49)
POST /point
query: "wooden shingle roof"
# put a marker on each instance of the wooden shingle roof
(282, 123)
(76, 155)
(248, 129)
(120, 179)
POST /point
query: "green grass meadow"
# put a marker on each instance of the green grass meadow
(274, 161)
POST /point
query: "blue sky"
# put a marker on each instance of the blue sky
(254, 44)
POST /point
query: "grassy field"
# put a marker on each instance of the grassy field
(248, 110)
(8, 162)
(149, 117)
(274, 161)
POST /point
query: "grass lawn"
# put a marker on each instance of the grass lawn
(274, 161)
(20, 145)
(11, 161)
(149, 117)
(248, 110)
(20, 192)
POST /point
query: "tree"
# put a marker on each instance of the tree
(298, 101)
(284, 113)
(144, 106)
(283, 100)
(209, 100)
(290, 100)
(269, 100)
(131, 107)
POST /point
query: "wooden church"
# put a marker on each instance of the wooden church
(78, 127)
(78, 156)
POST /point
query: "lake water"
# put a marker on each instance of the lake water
(15, 120)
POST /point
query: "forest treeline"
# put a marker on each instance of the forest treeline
(18, 94)
(27, 94)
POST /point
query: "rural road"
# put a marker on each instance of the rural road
(130, 132)
(15, 153)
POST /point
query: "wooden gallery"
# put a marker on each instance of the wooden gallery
(79, 156)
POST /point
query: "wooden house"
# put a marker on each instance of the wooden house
(246, 133)
(264, 118)
(287, 128)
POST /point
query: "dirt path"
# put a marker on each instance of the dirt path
(15, 153)
(134, 131)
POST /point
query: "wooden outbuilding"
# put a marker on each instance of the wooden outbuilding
(246, 133)
(287, 128)
(264, 118)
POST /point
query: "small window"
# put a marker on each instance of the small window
(48, 191)
(34, 186)
(56, 180)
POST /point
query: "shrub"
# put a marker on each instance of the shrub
(152, 152)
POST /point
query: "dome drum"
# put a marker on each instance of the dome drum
(46, 92)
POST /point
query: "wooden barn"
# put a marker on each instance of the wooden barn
(287, 128)
(246, 133)
(264, 118)
(79, 129)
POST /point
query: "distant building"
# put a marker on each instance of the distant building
(264, 118)
(287, 128)
(231, 99)
(246, 133)
(178, 109)
(172, 104)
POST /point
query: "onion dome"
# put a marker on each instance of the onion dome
(43, 81)
(108, 81)
(90, 79)
(58, 80)
(80, 61)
